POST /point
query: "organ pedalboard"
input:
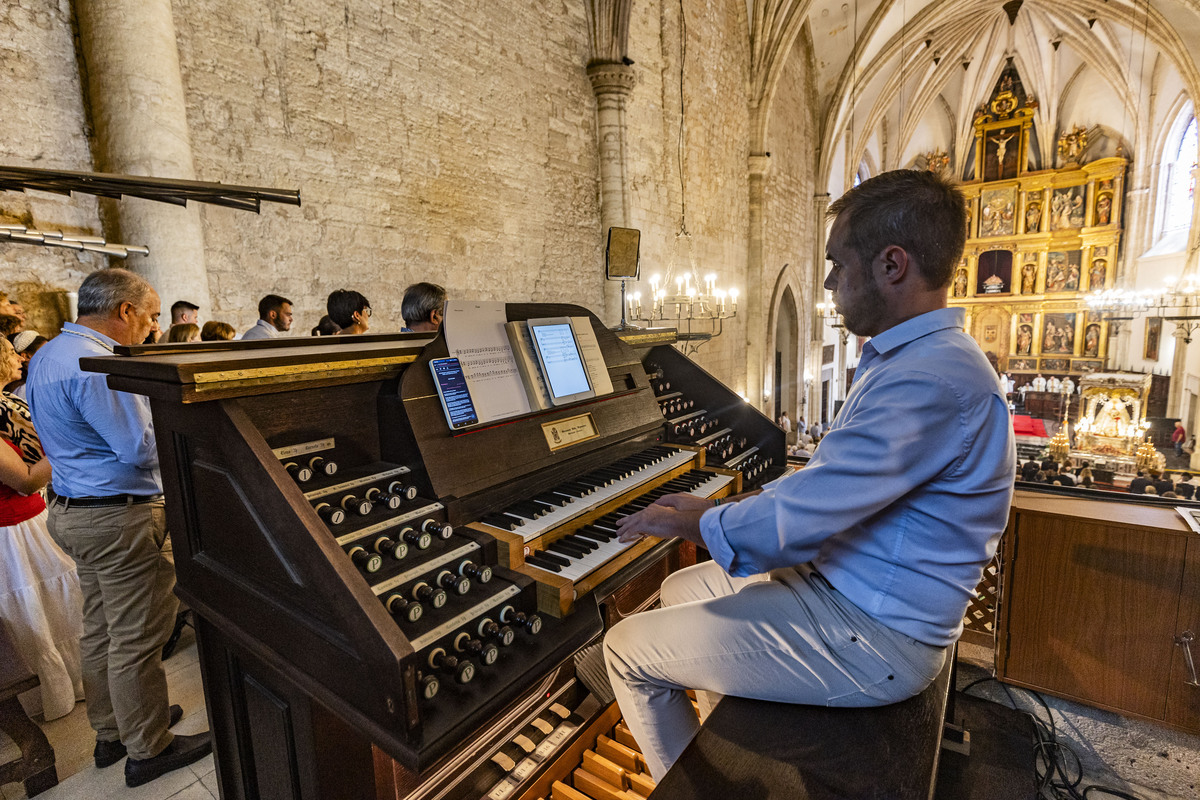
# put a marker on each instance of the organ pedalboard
(401, 604)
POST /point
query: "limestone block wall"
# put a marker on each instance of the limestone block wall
(715, 149)
(789, 218)
(438, 140)
(43, 125)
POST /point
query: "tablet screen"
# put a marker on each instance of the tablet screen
(563, 365)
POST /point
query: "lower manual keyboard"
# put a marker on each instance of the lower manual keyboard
(577, 554)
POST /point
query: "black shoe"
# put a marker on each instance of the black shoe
(109, 753)
(182, 750)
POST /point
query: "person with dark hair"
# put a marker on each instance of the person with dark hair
(326, 327)
(183, 333)
(183, 311)
(845, 582)
(422, 307)
(274, 317)
(214, 331)
(349, 310)
(1139, 483)
(107, 513)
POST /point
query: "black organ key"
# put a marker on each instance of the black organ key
(567, 550)
(503, 521)
(542, 563)
(554, 558)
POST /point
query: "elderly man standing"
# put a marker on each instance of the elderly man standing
(107, 513)
(842, 584)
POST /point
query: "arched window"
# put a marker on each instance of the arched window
(1179, 165)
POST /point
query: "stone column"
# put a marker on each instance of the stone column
(135, 94)
(756, 312)
(1118, 353)
(612, 83)
(1183, 337)
(813, 361)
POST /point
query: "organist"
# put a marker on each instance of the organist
(845, 583)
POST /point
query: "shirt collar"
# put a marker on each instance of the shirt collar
(917, 327)
(90, 332)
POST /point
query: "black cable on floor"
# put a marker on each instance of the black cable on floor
(1052, 757)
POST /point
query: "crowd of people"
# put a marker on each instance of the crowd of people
(1181, 485)
(86, 574)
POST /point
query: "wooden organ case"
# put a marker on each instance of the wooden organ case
(381, 602)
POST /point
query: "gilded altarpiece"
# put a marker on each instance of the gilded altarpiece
(1039, 240)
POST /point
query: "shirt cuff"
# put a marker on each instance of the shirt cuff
(714, 536)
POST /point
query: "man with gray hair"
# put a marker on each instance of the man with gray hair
(422, 307)
(106, 511)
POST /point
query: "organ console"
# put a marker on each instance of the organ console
(381, 601)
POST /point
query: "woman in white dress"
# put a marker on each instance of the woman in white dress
(39, 590)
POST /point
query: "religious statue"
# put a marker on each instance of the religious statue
(936, 161)
(960, 283)
(1072, 284)
(1104, 209)
(1025, 340)
(1033, 217)
(1112, 419)
(1001, 146)
(1091, 340)
(1072, 144)
(1028, 278)
(1097, 273)
(1056, 273)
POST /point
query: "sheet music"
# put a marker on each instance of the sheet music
(593, 358)
(475, 335)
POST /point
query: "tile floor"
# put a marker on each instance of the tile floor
(72, 739)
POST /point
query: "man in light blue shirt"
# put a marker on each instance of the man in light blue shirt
(106, 511)
(842, 584)
(274, 317)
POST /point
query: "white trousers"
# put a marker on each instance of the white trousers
(785, 636)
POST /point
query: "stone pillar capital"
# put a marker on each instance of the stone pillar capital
(611, 77)
(759, 164)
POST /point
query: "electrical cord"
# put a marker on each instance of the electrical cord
(1058, 768)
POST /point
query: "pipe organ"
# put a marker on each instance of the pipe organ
(390, 608)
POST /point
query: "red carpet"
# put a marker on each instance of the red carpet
(1028, 426)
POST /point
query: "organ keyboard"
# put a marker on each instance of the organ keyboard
(368, 582)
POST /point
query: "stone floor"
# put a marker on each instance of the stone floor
(73, 740)
(1138, 758)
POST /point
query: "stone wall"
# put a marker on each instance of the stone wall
(43, 125)
(439, 140)
(714, 153)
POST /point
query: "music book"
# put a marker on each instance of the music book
(475, 335)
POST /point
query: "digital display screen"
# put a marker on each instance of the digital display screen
(565, 372)
(453, 391)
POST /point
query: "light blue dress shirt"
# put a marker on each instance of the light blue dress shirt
(261, 330)
(905, 499)
(100, 442)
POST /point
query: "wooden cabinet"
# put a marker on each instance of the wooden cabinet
(1095, 594)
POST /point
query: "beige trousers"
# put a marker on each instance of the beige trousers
(127, 578)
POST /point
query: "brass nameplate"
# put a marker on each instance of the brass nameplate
(570, 431)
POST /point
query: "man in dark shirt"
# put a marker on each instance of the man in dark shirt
(1138, 485)
(1029, 471)
(1163, 484)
